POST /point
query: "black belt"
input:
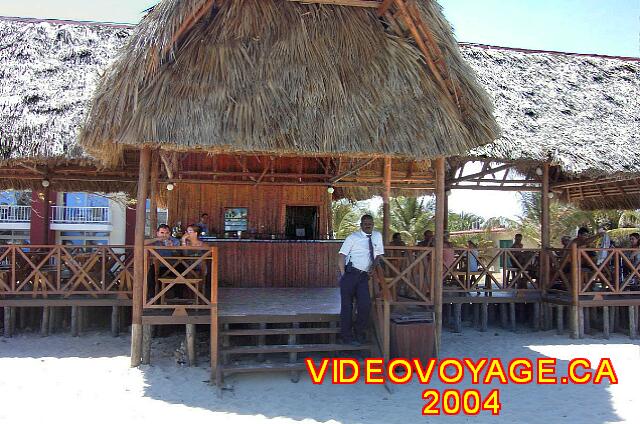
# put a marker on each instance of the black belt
(354, 270)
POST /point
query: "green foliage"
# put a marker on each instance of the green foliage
(346, 217)
(620, 236)
(565, 218)
(410, 217)
(463, 221)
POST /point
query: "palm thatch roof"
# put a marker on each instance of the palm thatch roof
(282, 77)
(48, 71)
(579, 112)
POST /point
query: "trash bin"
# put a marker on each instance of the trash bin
(412, 335)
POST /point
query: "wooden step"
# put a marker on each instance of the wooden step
(275, 331)
(262, 367)
(329, 347)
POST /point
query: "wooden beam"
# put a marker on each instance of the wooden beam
(386, 208)
(352, 170)
(438, 254)
(486, 170)
(138, 254)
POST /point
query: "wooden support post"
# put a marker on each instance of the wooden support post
(545, 232)
(633, 322)
(153, 193)
(8, 313)
(457, 317)
(22, 317)
(293, 357)
(115, 321)
(475, 322)
(44, 324)
(386, 331)
(191, 345)
(138, 255)
(512, 316)
(216, 372)
(560, 319)
(613, 319)
(386, 207)
(586, 317)
(439, 246)
(484, 316)
(605, 322)
(504, 315)
(147, 336)
(575, 290)
(536, 316)
(53, 317)
(75, 331)
(547, 317)
(580, 322)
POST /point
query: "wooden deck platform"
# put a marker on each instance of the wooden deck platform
(237, 305)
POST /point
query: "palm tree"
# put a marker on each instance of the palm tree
(345, 216)
(410, 216)
(464, 221)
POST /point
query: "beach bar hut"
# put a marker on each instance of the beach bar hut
(256, 108)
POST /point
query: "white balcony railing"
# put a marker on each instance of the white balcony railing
(14, 213)
(80, 215)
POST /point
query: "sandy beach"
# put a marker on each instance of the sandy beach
(88, 379)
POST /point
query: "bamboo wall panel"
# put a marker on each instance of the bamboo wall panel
(278, 264)
(266, 204)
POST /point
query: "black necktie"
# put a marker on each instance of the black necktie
(370, 249)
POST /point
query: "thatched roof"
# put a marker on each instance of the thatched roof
(48, 71)
(281, 77)
(580, 112)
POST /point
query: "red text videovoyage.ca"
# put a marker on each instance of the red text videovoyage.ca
(456, 370)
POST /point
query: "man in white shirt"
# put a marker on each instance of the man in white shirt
(358, 257)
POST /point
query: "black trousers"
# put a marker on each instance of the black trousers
(354, 285)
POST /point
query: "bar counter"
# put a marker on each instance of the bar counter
(277, 263)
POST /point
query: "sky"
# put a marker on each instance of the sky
(607, 27)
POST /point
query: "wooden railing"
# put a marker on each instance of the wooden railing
(609, 272)
(62, 271)
(180, 278)
(491, 271)
(406, 276)
(407, 272)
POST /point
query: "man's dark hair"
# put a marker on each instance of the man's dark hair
(366, 216)
(396, 236)
(582, 231)
(636, 235)
(161, 226)
(203, 215)
(518, 235)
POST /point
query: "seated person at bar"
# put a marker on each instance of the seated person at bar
(396, 240)
(428, 239)
(634, 256)
(163, 238)
(202, 223)
(191, 237)
(448, 253)
(473, 256)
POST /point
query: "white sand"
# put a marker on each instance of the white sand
(88, 380)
